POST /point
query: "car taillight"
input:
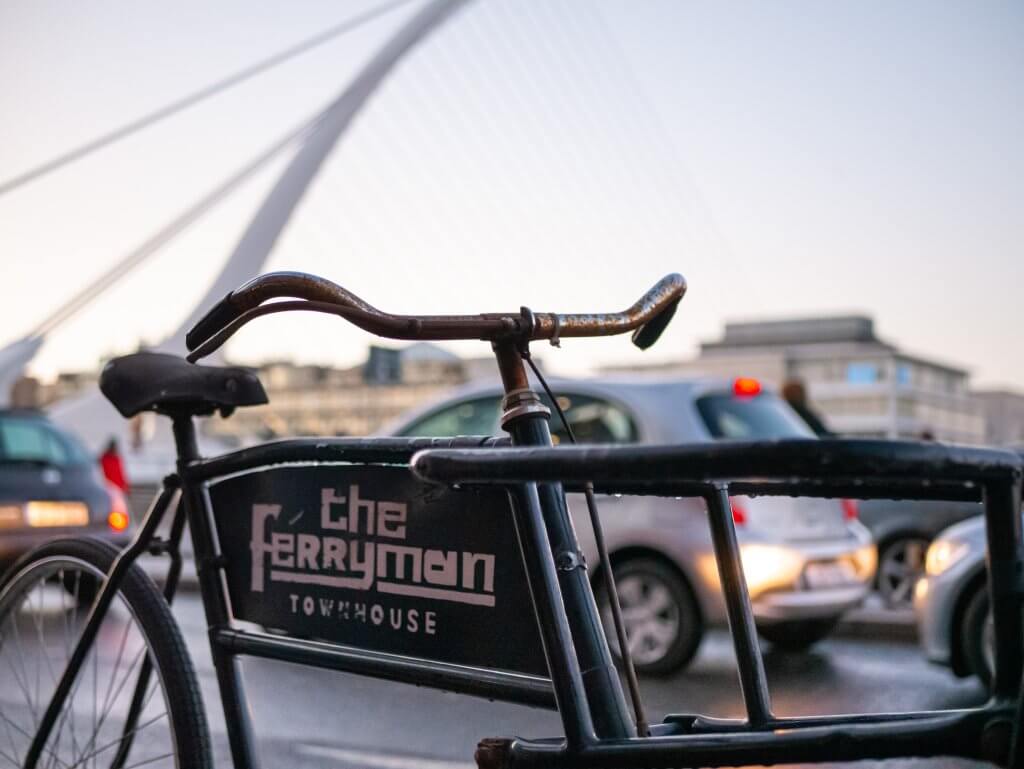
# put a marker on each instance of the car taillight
(117, 518)
(739, 513)
(850, 509)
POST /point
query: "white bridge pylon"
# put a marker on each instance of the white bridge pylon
(88, 414)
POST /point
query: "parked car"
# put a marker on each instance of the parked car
(951, 601)
(903, 530)
(807, 561)
(51, 486)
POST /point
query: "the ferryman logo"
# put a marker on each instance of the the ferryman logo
(361, 546)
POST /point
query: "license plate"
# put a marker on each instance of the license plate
(834, 574)
(48, 514)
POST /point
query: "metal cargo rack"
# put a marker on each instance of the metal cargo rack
(861, 469)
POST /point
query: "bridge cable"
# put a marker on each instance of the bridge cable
(203, 94)
(175, 227)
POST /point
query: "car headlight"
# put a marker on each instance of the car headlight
(942, 554)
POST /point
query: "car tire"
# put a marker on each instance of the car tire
(976, 636)
(900, 564)
(658, 603)
(797, 635)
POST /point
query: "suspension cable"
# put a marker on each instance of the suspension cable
(190, 100)
(173, 228)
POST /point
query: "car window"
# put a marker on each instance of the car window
(33, 440)
(593, 420)
(472, 417)
(744, 417)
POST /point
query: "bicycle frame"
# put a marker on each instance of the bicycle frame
(583, 684)
(581, 680)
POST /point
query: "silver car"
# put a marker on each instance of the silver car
(951, 601)
(807, 561)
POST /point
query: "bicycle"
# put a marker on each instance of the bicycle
(452, 564)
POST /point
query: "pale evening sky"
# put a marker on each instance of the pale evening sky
(789, 158)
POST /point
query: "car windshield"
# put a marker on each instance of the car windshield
(32, 440)
(750, 417)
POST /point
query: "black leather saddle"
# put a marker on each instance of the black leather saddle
(171, 385)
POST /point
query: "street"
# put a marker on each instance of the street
(310, 718)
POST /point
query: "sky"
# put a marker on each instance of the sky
(789, 158)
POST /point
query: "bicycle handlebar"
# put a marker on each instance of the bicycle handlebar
(647, 318)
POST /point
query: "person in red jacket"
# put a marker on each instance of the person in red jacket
(113, 466)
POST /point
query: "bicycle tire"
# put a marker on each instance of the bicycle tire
(29, 596)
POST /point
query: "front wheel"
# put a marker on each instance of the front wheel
(42, 613)
(663, 622)
(797, 635)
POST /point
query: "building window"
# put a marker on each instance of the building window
(903, 374)
(861, 373)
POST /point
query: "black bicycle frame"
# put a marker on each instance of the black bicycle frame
(582, 684)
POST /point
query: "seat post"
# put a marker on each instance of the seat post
(212, 588)
(184, 437)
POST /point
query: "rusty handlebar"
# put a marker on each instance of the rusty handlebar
(647, 318)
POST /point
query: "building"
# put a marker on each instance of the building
(304, 399)
(860, 384)
(29, 392)
(321, 400)
(1004, 416)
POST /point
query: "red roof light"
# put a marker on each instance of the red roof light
(746, 387)
(739, 512)
(850, 509)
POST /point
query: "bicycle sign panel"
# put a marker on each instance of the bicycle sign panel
(371, 557)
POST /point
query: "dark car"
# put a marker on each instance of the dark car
(904, 530)
(51, 486)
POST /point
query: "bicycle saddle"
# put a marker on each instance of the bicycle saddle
(170, 385)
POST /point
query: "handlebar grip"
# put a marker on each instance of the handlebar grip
(649, 333)
(216, 318)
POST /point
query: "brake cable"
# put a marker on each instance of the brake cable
(625, 655)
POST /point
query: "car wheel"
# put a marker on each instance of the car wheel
(900, 564)
(662, 619)
(977, 639)
(797, 635)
